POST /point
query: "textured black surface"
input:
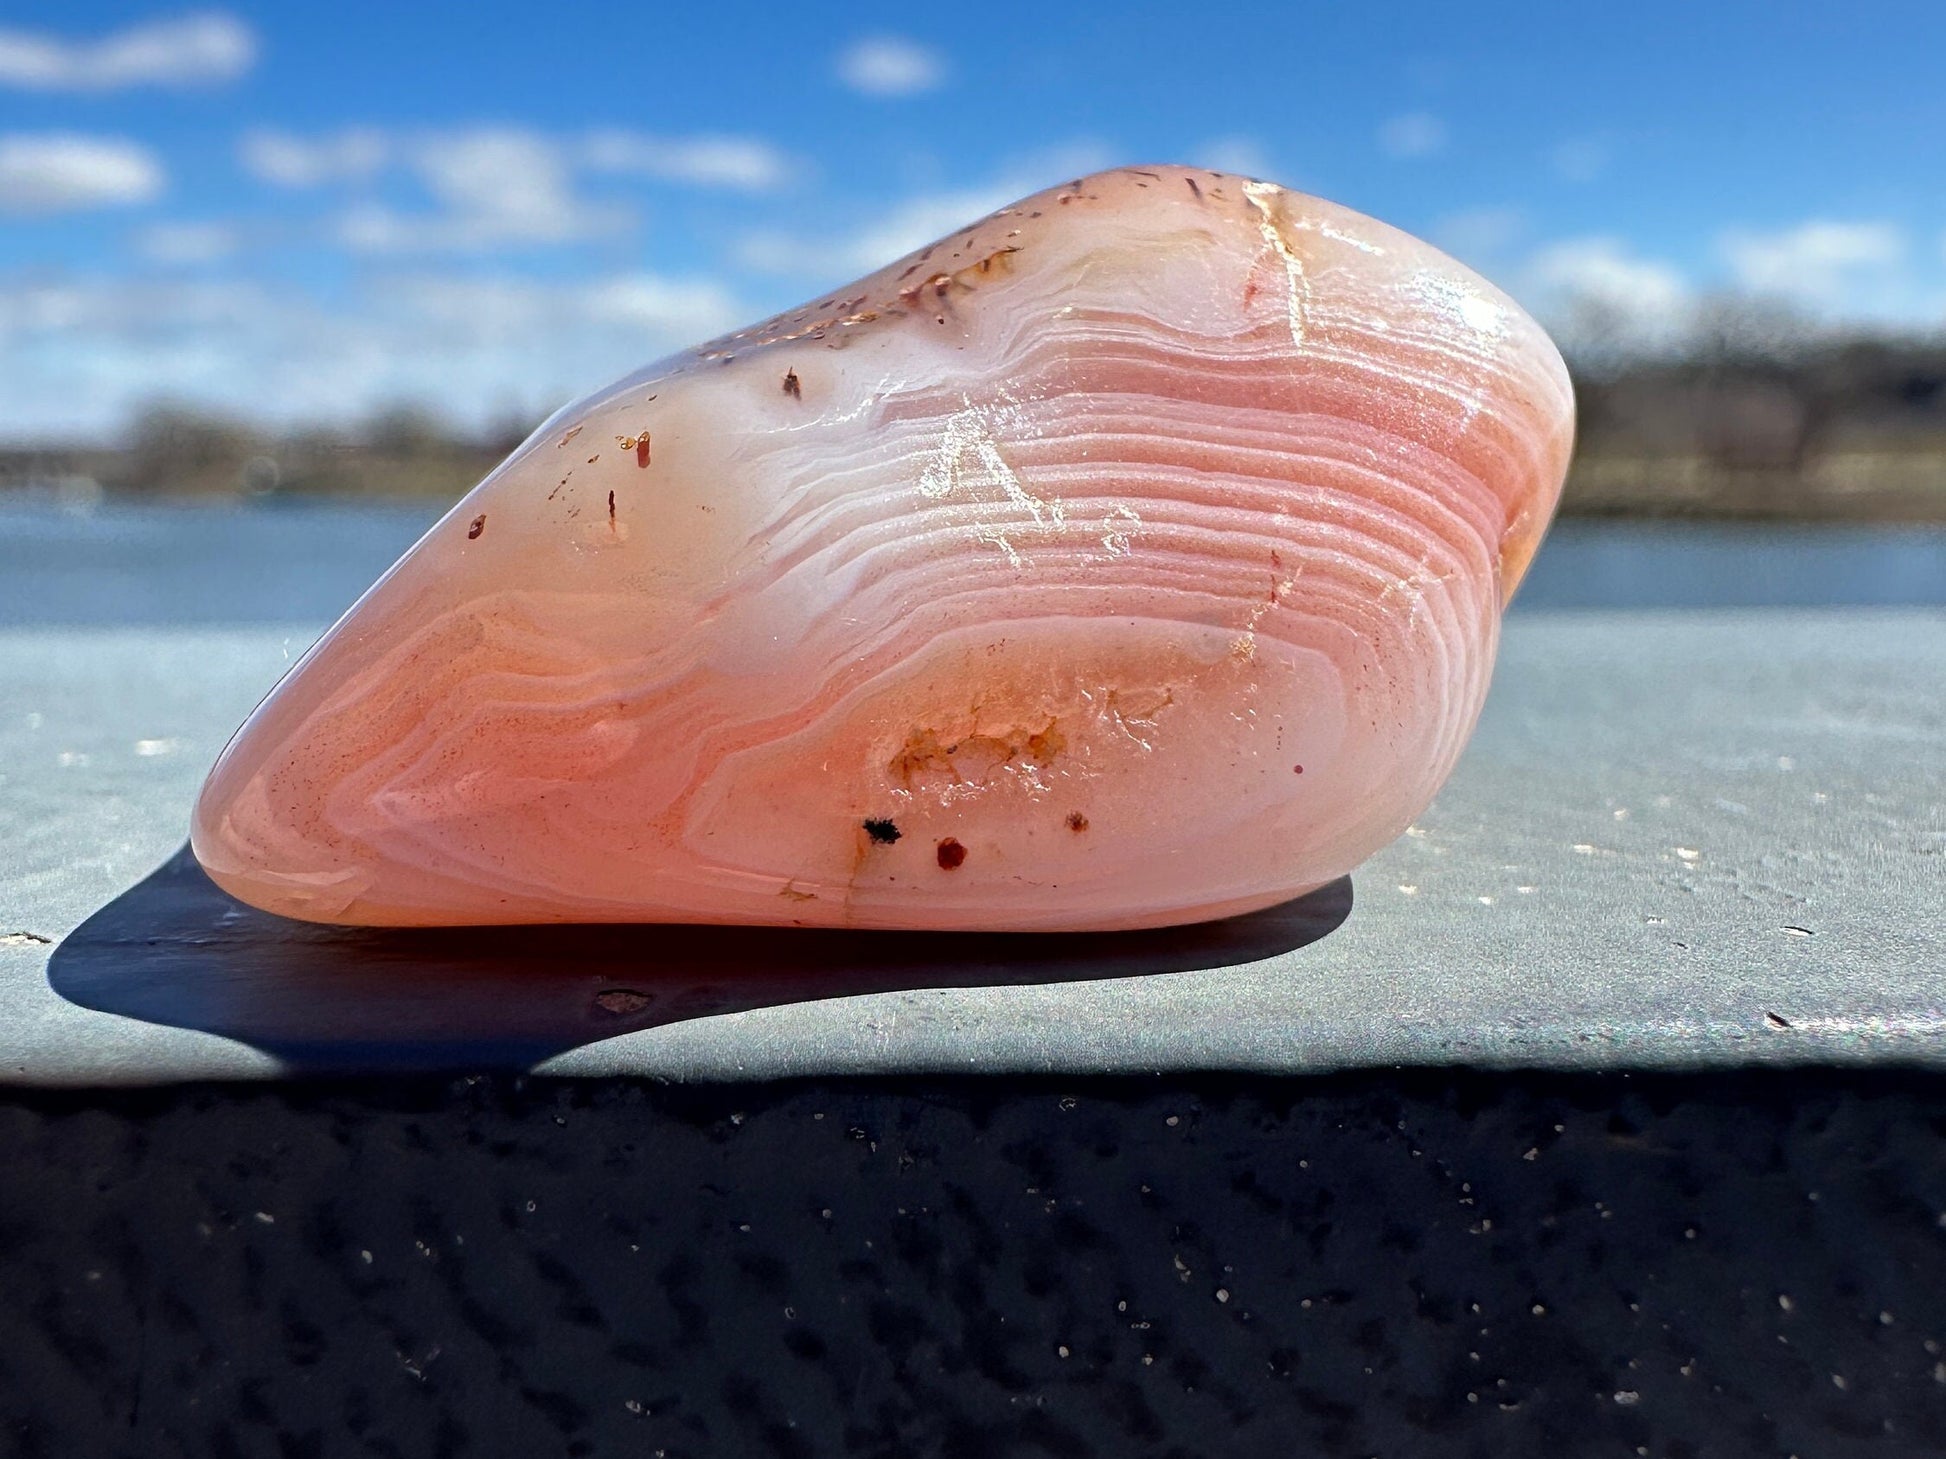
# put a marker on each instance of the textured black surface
(1447, 1264)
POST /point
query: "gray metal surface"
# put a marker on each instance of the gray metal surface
(1678, 839)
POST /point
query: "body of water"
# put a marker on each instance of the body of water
(293, 561)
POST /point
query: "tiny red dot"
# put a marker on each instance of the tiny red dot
(1297, 769)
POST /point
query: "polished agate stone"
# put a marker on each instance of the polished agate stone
(1133, 556)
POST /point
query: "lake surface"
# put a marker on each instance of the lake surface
(306, 561)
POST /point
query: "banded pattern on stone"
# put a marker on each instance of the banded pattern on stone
(1131, 557)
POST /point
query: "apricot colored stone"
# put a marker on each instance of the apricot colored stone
(1133, 556)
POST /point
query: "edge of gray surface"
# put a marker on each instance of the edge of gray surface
(1677, 792)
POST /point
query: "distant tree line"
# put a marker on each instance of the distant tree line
(1755, 415)
(173, 449)
(1758, 414)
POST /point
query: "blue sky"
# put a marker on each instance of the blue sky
(302, 212)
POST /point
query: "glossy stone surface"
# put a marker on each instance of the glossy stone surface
(1132, 557)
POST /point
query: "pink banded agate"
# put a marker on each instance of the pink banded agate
(1133, 556)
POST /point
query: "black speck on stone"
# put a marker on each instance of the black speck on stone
(882, 831)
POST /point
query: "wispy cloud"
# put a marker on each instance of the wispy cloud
(1478, 236)
(510, 174)
(353, 155)
(740, 163)
(191, 50)
(1819, 262)
(188, 244)
(1600, 295)
(1415, 134)
(911, 223)
(358, 154)
(1605, 298)
(496, 311)
(494, 189)
(60, 172)
(919, 220)
(82, 354)
(890, 65)
(1610, 270)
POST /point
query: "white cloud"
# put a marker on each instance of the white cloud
(1478, 235)
(187, 244)
(353, 155)
(358, 154)
(1603, 298)
(742, 163)
(889, 65)
(1823, 263)
(913, 223)
(1609, 270)
(496, 311)
(506, 174)
(59, 172)
(81, 355)
(691, 309)
(375, 228)
(1415, 134)
(495, 188)
(190, 50)
(918, 221)
(1599, 295)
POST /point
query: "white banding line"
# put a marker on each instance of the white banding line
(1300, 287)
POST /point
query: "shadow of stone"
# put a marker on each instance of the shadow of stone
(176, 950)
